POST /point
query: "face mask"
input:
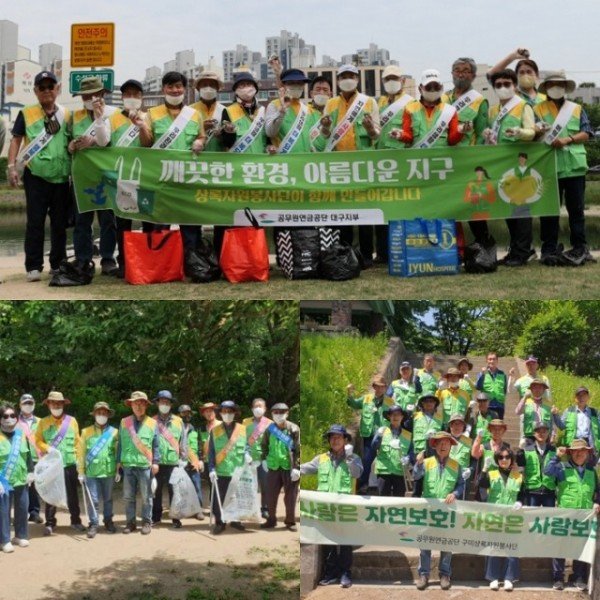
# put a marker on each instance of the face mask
(187, 419)
(505, 93)
(88, 104)
(208, 93)
(56, 412)
(27, 409)
(101, 419)
(453, 384)
(174, 100)
(246, 94)
(555, 92)
(227, 418)
(320, 99)
(9, 423)
(526, 82)
(164, 409)
(392, 87)
(258, 412)
(348, 85)
(461, 84)
(431, 96)
(132, 103)
(294, 91)
(279, 419)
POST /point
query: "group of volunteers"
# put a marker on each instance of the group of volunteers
(527, 110)
(142, 451)
(442, 436)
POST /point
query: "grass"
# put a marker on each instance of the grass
(564, 384)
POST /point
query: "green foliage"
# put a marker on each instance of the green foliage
(455, 325)
(564, 384)
(327, 366)
(3, 163)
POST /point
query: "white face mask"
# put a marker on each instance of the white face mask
(392, 87)
(258, 411)
(431, 96)
(88, 104)
(348, 85)
(453, 384)
(27, 409)
(556, 92)
(174, 100)
(320, 99)
(101, 419)
(227, 418)
(9, 423)
(208, 93)
(505, 93)
(132, 103)
(164, 409)
(279, 419)
(246, 94)
(56, 412)
(294, 91)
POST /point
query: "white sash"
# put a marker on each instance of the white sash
(504, 110)
(393, 109)
(438, 129)
(91, 130)
(466, 100)
(257, 126)
(351, 115)
(562, 118)
(128, 137)
(293, 135)
(218, 116)
(41, 141)
(176, 128)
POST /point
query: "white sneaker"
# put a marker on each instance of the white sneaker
(508, 585)
(8, 548)
(34, 275)
(494, 585)
(21, 542)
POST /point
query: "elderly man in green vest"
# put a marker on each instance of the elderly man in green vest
(494, 383)
(521, 385)
(46, 165)
(405, 390)
(534, 408)
(480, 418)
(427, 377)
(139, 456)
(578, 487)
(371, 407)
(453, 398)
(426, 420)
(337, 471)
(195, 464)
(442, 478)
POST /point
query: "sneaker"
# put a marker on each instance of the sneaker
(345, 581)
(35, 519)
(575, 257)
(109, 267)
(22, 543)
(508, 585)
(237, 525)
(176, 524)
(328, 580)
(268, 524)
(495, 585)
(78, 526)
(588, 256)
(291, 527)
(34, 275)
(53, 272)
(8, 548)
(553, 259)
(48, 530)
(110, 527)
(445, 582)
(422, 582)
(218, 528)
(514, 261)
(558, 585)
(146, 528)
(580, 584)
(130, 528)
(264, 513)
(92, 531)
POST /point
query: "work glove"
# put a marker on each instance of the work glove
(153, 485)
(255, 464)
(429, 433)
(405, 461)
(473, 404)
(295, 474)
(487, 463)
(265, 466)
(30, 478)
(349, 450)
(248, 458)
(395, 444)
(466, 473)
(517, 506)
(480, 432)
(442, 384)
(522, 443)
(213, 476)
(117, 477)
(81, 479)
(201, 466)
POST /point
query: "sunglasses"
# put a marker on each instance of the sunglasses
(503, 456)
(9, 416)
(46, 88)
(499, 85)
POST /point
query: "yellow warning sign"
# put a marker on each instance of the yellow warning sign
(92, 44)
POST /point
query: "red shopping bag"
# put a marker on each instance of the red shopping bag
(245, 254)
(154, 257)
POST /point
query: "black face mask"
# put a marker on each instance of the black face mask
(187, 419)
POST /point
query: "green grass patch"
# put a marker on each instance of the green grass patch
(327, 366)
(564, 384)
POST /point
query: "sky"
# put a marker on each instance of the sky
(560, 34)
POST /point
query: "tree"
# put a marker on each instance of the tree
(454, 325)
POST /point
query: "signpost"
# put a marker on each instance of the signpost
(92, 45)
(106, 75)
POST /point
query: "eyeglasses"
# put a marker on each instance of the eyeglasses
(9, 416)
(503, 456)
(498, 85)
(46, 88)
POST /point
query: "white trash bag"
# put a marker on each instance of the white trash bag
(185, 501)
(49, 474)
(242, 502)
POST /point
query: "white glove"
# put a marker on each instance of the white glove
(405, 461)
(410, 407)
(248, 458)
(30, 478)
(255, 464)
(153, 485)
(473, 404)
(2, 490)
(295, 474)
(117, 477)
(349, 450)
(523, 443)
(182, 463)
(213, 476)
(466, 473)
(429, 433)
(515, 132)
(395, 444)
(481, 432)
(264, 466)
(517, 505)
(442, 384)
(487, 463)
(81, 479)
(466, 376)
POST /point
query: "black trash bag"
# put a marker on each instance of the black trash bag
(481, 258)
(202, 265)
(72, 273)
(339, 263)
(299, 252)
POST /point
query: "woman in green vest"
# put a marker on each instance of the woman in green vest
(577, 488)
(485, 452)
(504, 486)
(337, 471)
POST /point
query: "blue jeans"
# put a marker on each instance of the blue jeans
(581, 570)
(195, 477)
(20, 498)
(261, 474)
(83, 235)
(367, 459)
(445, 567)
(100, 487)
(496, 568)
(547, 499)
(135, 478)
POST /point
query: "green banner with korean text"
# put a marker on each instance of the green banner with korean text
(460, 527)
(324, 189)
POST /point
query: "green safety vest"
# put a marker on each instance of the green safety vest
(469, 113)
(530, 416)
(235, 456)
(214, 144)
(119, 124)
(303, 143)
(522, 384)
(488, 452)
(388, 458)
(571, 160)
(67, 447)
(255, 449)
(130, 455)
(571, 426)
(429, 381)
(534, 471)
(105, 463)
(168, 454)
(371, 417)
(19, 475)
(334, 479)
(436, 485)
(453, 401)
(577, 492)
(504, 492)
(467, 386)
(385, 141)
(161, 120)
(243, 124)
(405, 397)
(278, 456)
(513, 119)
(461, 453)
(494, 386)
(482, 423)
(192, 440)
(53, 162)
(421, 425)
(423, 123)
